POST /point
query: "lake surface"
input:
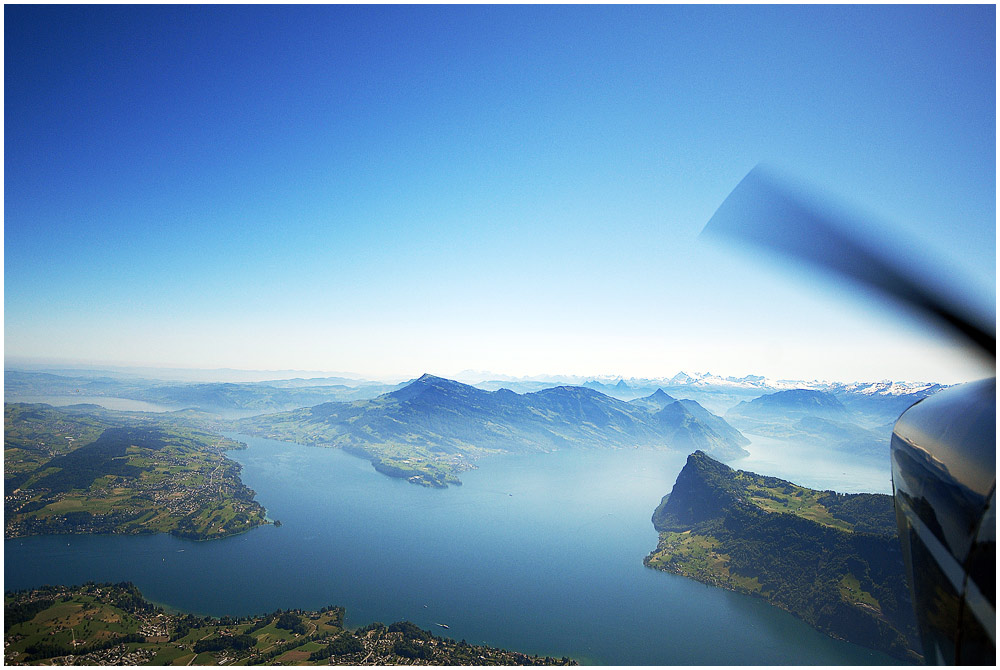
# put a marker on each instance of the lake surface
(120, 404)
(130, 405)
(816, 467)
(542, 554)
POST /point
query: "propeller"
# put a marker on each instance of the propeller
(767, 213)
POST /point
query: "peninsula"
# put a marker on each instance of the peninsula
(84, 469)
(831, 559)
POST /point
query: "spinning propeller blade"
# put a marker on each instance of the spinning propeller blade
(762, 211)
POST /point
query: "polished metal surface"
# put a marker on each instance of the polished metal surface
(944, 480)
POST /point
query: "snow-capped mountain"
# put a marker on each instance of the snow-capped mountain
(742, 388)
(747, 382)
(887, 387)
(883, 388)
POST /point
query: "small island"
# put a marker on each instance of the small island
(831, 559)
(89, 470)
(112, 624)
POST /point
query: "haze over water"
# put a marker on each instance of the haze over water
(816, 467)
(541, 553)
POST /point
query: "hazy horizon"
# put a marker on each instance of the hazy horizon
(393, 190)
(468, 375)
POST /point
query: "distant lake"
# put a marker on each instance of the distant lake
(120, 404)
(128, 405)
(541, 553)
(816, 467)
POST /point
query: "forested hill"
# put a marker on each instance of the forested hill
(831, 559)
(84, 469)
(427, 430)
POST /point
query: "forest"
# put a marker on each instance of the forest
(831, 559)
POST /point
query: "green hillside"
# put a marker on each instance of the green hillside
(112, 624)
(80, 470)
(829, 558)
(434, 428)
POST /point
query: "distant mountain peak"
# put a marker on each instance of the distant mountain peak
(658, 399)
(428, 384)
(790, 405)
(682, 378)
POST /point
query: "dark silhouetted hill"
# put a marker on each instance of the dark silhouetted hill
(829, 558)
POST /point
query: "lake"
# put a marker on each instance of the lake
(816, 467)
(121, 404)
(541, 553)
(129, 405)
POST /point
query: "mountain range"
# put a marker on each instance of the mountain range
(855, 418)
(220, 397)
(855, 426)
(439, 424)
(878, 402)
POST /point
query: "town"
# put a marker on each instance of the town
(143, 477)
(112, 624)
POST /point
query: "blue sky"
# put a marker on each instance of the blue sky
(393, 190)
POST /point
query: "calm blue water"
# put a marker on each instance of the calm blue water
(123, 404)
(541, 554)
(126, 404)
(816, 467)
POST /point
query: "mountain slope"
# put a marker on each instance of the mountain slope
(794, 403)
(208, 396)
(84, 469)
(831, 559)
(815, 417)
(656, 401)
(715, 423)
(431, 428)
(879, 404)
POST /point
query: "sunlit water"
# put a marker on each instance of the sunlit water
(129, 405)
(540, 553)
(816, 467)
(121, 404)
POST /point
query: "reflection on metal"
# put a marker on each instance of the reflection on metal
(981, 609)
(950, 568)
(981, 595)
(944, 479)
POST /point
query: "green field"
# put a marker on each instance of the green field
(851, 592)
(698, 557)
(120, 473)
(111, 624)
(789, 498)
(831, 559)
